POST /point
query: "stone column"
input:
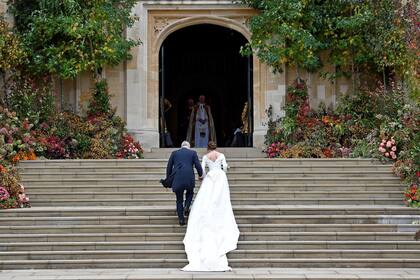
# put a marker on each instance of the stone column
(139, 123)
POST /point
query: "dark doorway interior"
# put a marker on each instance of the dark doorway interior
(205, 60)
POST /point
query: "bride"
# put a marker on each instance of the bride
(212, 231)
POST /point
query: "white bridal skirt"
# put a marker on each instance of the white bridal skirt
(212, 231)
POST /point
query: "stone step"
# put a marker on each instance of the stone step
(350, 187)
(232, 180)
(281, 207)
(286, 273)
(279, 229)
(263, 177)
(101, 236)
(234, 167)
(310, 210)
(139, 175)
(159, 193)
(236, 263)
(229, 152)
(231, 161)
(265, 245)
(180, 254)
(241, 219)
(235, 201)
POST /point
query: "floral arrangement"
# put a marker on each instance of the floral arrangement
(22, 197)
(16, 138)
(412, 196)
(388, 148)
(12, 194)
(276, 149)
(303, 132)
(27, 134)
(130, 149)
(4, 194)
(17, 143)
(55, 148)
(371, 122)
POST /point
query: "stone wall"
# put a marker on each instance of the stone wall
(3, 7)
(77, 93)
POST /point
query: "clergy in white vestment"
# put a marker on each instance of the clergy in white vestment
(201, 127)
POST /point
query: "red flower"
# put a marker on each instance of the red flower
(327, 152)
(26, 125)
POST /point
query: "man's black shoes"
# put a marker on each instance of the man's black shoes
(182, 222)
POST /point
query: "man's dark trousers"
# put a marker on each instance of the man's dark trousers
(180, 206)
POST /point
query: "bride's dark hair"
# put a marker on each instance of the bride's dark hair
(211, 146)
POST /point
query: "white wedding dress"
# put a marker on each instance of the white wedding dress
(212, 231)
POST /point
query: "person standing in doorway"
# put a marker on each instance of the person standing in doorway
(201, 128)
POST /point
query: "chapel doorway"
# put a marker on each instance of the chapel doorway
(204, 60)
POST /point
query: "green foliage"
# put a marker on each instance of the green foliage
(84, 143)
(12, 57)
(100, 102)
(364, 148)
(280, 34)
(354, 35)
(297, 102)
(68, 37)
(31, 98)
(9, 203)
(385, 38)
(273, 130)
(12, 54)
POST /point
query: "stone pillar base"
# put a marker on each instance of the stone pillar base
(148, 138)
(259, 138)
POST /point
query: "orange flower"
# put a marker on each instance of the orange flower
(15, 158)
(32, 156)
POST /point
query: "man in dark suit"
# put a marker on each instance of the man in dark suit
(181, 164)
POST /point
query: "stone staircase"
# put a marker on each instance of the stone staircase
(292, 213)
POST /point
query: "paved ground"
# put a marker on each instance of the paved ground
(246, 274)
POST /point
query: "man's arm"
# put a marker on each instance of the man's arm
(198, 165)
(170, 165)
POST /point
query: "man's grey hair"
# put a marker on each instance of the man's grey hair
(185, 144)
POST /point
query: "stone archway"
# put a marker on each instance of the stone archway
(204, 59)
(164, 23)
(166, 30)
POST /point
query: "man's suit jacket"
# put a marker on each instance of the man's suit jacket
(181, 163)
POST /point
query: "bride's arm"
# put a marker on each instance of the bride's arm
(203, 165)
(224, 163)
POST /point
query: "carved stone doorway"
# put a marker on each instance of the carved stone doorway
(204, 60)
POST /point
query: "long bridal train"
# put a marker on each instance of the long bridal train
(212, 231)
